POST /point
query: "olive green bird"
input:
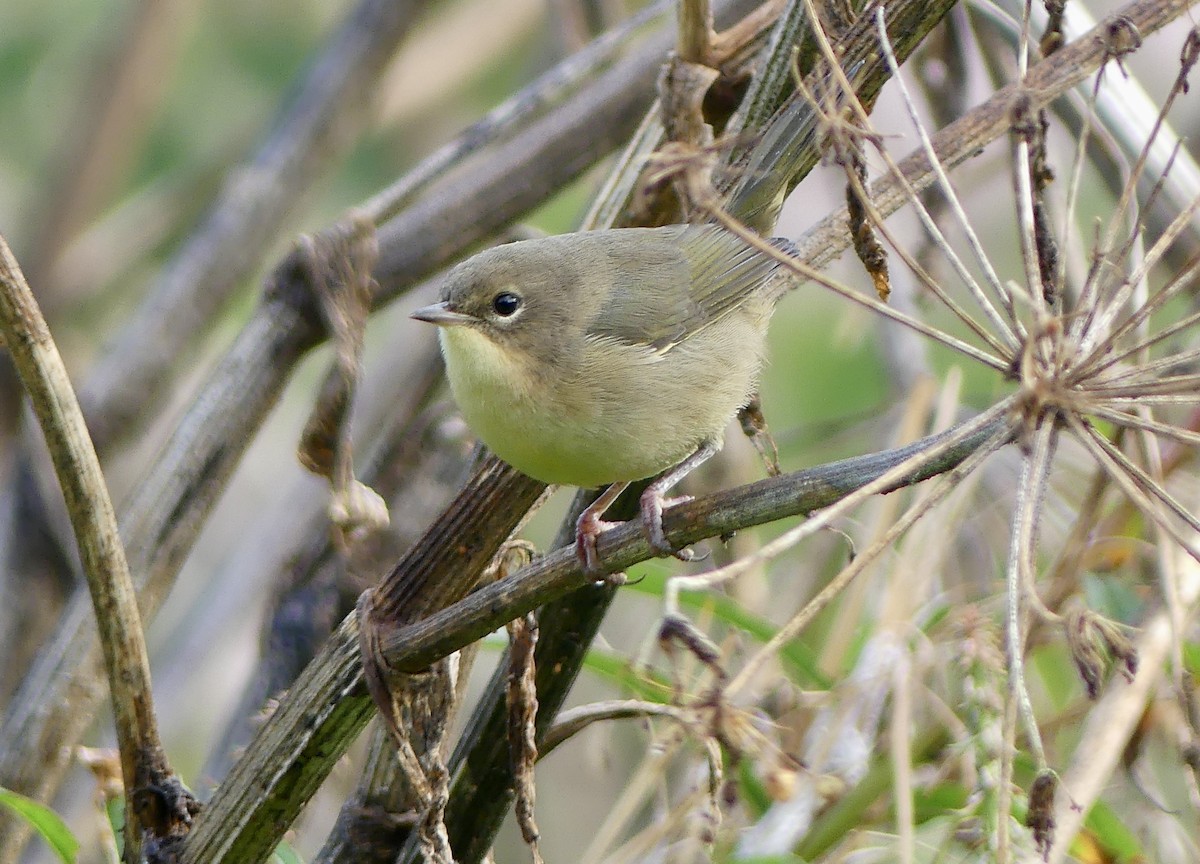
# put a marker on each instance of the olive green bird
(604, 357)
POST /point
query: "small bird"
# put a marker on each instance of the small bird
(599, 358)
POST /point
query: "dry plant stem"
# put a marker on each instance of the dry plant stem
(1134, 483)
(54, 706)
(573, 721)
(166, 513)
(864, 558)
(1003, 327)
(710, 516)
(900, 750)
(1047, 80)
(143, 762)
(787, 147)
(1026, 223)
(327, 706)
(1020, 587)
(1185, 386)
(1153, 399)
(694, 27)
(320, 124)
(1113, 720)
(554, 87)
(1132, 421)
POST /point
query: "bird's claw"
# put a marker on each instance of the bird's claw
(652, 505)
(588, 527)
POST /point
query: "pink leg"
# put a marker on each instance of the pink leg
(589, 526)
(653, 500)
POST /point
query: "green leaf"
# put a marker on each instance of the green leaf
(752, 792)
(114, 809)
(613, 667)
(641, 683)
(935, 802)
(285, 854)
(1191, 657)
(1113, 834)
(46, 822)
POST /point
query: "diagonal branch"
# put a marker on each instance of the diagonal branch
(328, 704)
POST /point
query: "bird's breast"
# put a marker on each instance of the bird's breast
(612, 412)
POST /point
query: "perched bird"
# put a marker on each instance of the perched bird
(603, 357)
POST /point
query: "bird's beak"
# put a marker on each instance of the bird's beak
(441, 314)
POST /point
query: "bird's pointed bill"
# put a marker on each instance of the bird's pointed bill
(441, 314)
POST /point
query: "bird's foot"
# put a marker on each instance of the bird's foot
(588, 527)
(652, 504)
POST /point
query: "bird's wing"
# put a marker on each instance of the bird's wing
(719, 269)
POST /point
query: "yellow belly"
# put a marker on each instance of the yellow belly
(617, 413)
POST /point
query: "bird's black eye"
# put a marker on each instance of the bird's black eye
(506, 304)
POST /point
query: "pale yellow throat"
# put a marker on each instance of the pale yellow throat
(530, 425)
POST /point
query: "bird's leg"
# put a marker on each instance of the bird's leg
(653, 500)
(589, 525)
(754, 426)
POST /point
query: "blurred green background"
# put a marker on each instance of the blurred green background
(835, 386)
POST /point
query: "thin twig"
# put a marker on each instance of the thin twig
(1004, 328)
(571, 722)
(1135, 484)
(553, 87)
(830, 591)
(1020, 584)
(44, 376)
